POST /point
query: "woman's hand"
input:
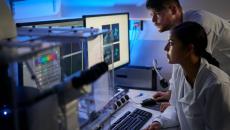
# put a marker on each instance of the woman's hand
(154, 126)
(162, 96)
(163, 106)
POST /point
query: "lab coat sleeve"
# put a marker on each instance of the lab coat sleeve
(217, 107)
(169, 117)
(212, 34)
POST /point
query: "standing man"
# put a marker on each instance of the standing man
(167, 14)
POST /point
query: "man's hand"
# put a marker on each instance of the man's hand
(154, 126)
(162, 96)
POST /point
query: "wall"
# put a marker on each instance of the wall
(148, 45)
(145, 51)
(219, 7)
(34, 10)
(78, 11)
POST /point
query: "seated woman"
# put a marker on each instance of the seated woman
(201, 97)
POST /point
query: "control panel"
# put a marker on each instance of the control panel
(118, 101)
(115, 103)
(43, 71)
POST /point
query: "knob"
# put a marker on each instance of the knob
(118, 103)
(114, 106)
(123, 100)
(126, 97)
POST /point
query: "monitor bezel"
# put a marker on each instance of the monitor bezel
(112, 14)
(21, 24)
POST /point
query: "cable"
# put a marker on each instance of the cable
(163, 82)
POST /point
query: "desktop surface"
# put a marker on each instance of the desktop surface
(136, 97)
(134, 104)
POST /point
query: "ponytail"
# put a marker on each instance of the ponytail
(210, 59)
(194, 33)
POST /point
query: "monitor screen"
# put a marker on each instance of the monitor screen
(116, 42)
(71, 51)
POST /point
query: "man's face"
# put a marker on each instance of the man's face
(163, 20)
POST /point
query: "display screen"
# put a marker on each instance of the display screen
(116, 42)
(44, 59)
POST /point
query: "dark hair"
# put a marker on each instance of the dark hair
(194, 33)
(159, 5)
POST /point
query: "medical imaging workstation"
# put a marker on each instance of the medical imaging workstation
(59, 74)
(114, 65)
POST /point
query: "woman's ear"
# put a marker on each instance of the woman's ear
(191, 48)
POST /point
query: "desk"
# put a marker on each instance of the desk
(136, 96)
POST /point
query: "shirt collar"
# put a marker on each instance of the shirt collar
(189, 97)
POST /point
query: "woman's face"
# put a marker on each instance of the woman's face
(176, 52)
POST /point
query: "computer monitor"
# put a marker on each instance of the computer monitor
(116, 43)
(71, 51)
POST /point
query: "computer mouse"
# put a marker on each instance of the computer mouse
(148, 102)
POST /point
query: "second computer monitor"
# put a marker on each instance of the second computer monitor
(71, 51)
(115, 43)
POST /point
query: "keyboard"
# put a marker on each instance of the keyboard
(132, 120)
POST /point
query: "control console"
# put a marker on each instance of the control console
(115, 103)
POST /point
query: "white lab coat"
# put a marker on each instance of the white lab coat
(205, 107)
(218, 32)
